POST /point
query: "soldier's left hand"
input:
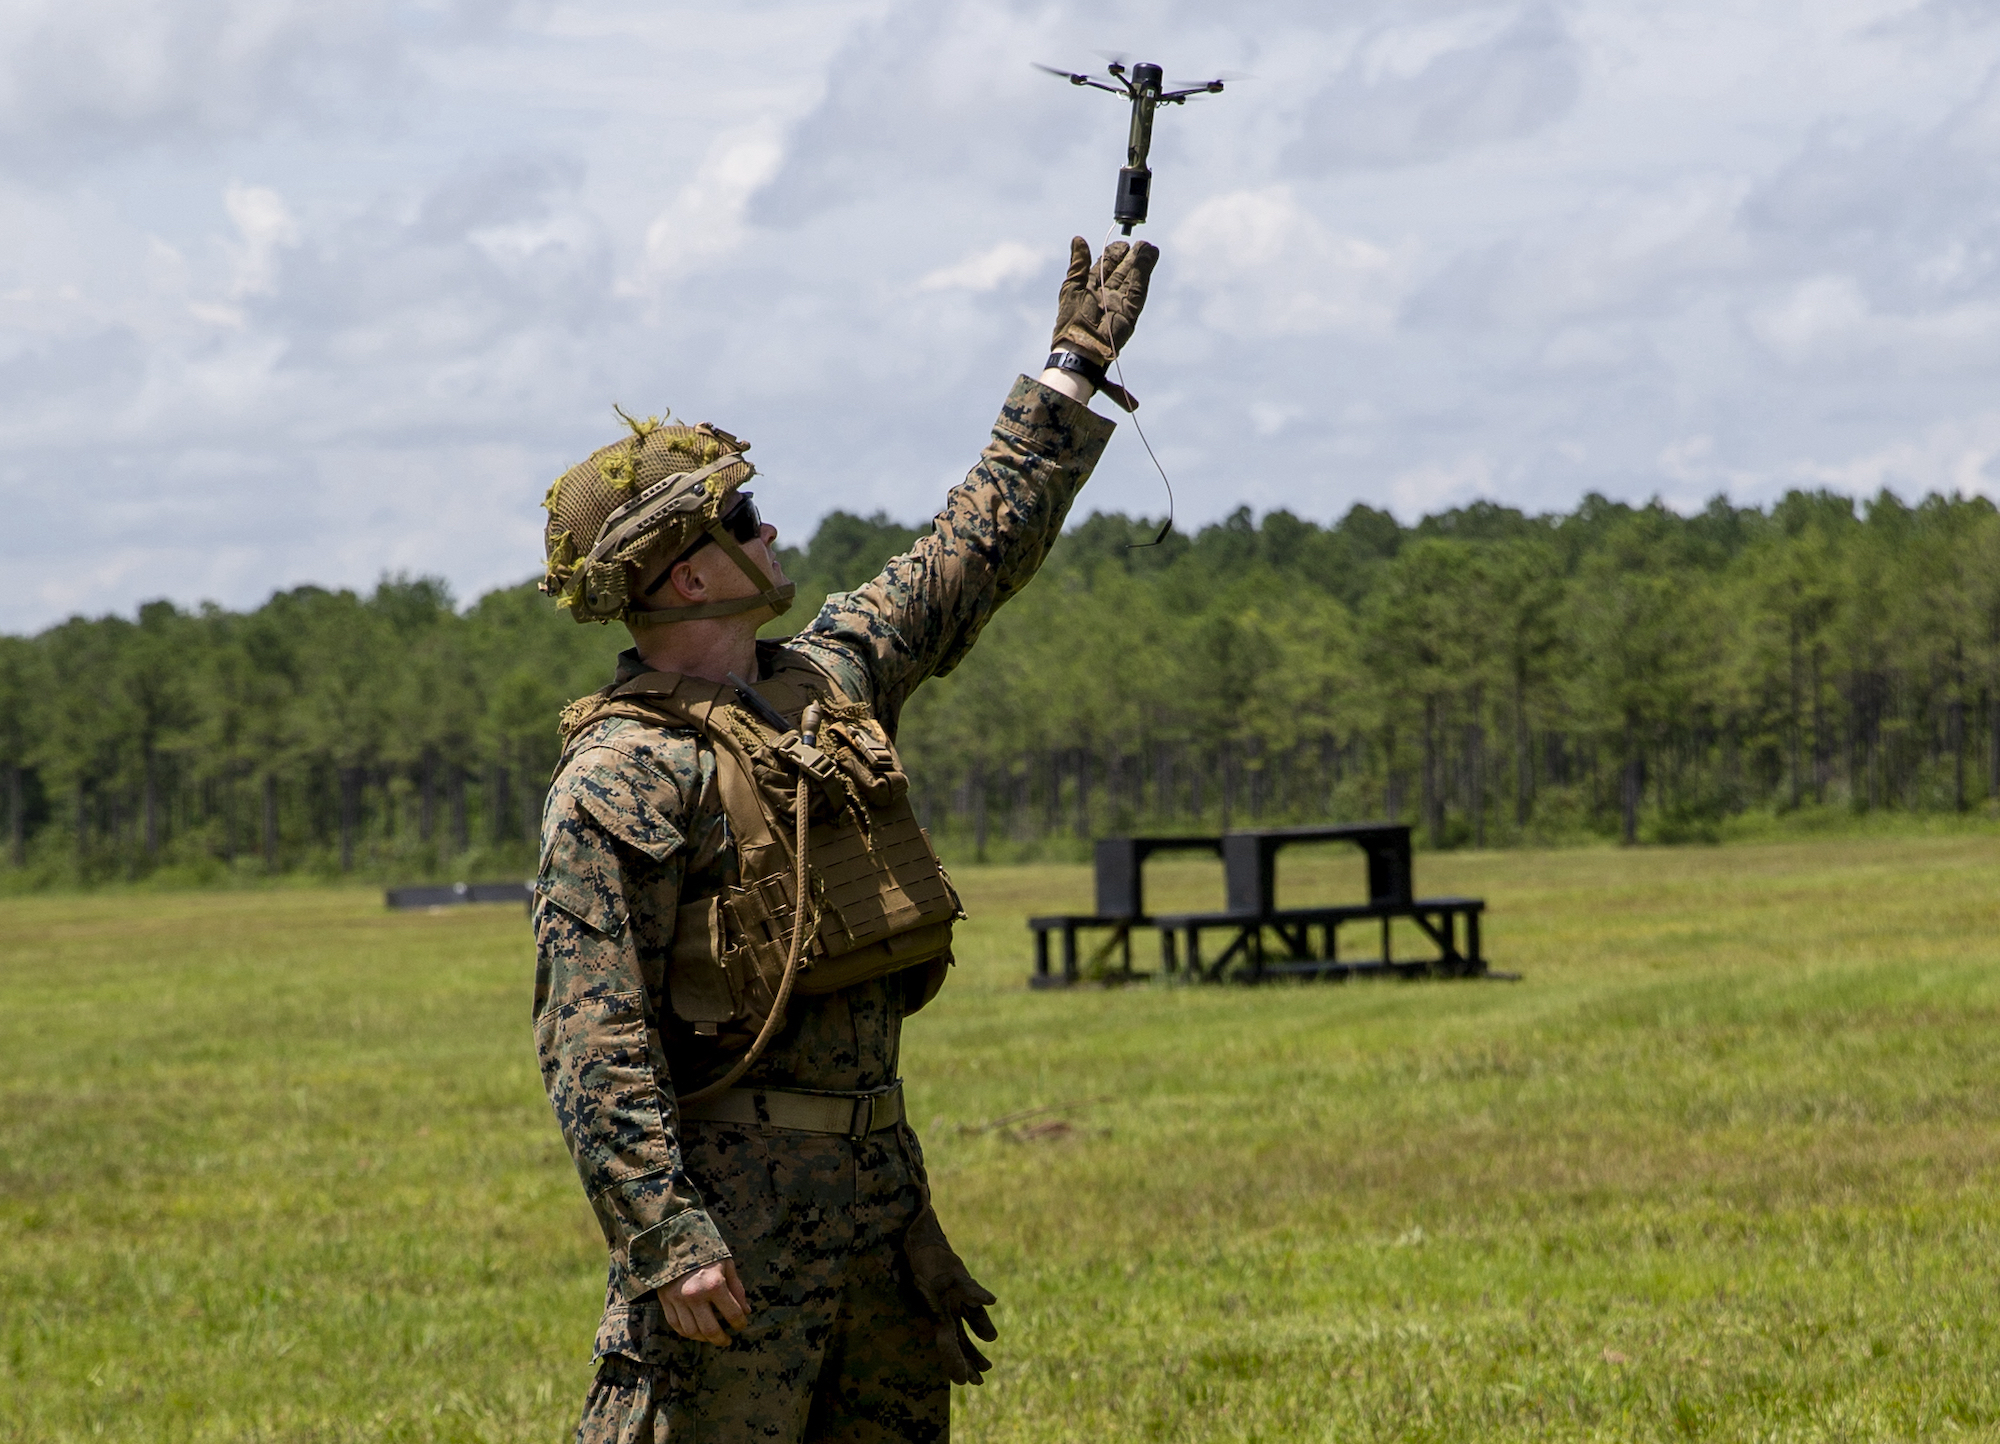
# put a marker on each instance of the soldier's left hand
(954, 1298)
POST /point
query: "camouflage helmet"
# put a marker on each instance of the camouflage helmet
(645, 497)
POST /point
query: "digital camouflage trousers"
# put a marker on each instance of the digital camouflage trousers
(832, 1351)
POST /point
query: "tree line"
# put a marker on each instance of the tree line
(1488, 676)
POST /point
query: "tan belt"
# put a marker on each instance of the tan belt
(855, 1115)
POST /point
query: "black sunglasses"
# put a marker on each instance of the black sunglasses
(740, 521)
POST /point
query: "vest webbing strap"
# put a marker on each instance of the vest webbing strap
(794, 955)
(871, 900)
(660, 693)
(691, 702)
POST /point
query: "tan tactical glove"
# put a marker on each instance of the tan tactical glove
(1100, 303)
(953, 1297)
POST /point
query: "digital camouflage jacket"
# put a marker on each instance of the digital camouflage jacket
(633, 828)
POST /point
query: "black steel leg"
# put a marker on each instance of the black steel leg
(1069, 954)
(1041, 952)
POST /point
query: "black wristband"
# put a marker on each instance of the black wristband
(1069, 361)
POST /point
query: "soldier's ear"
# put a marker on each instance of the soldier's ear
(678, 583)
(686, 578)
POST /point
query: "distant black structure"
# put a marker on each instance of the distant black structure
(1262, 940)
(452, 894)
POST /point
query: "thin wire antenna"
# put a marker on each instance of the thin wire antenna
(1118, 363)
(1168, 525)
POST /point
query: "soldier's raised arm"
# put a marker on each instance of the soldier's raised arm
(923, 612)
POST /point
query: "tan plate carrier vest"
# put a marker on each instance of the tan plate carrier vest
(880, 901)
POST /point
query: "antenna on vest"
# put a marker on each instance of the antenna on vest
(770, 715)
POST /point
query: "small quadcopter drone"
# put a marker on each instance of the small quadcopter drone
(1143, 87)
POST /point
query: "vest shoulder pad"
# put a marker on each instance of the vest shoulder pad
(636, 781)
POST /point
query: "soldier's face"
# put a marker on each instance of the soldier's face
(711, 574)
(764, 552)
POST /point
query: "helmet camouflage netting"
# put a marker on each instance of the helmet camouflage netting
(643, 498)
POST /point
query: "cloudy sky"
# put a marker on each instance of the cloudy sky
(295, 290)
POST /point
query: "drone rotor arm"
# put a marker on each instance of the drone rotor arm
(1076, 79)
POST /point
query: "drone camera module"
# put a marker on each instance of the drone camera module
(1133, 185)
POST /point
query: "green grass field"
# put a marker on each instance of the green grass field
(277, 1166)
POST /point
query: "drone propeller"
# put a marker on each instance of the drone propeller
(1076, 78)
(1183, 89)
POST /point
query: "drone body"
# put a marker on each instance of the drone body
(1143, 86)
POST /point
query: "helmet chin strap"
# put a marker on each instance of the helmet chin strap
(769, 594)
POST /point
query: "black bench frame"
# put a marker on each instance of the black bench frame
(1119, 865)
(1266, 941)
(454, 894)
(1294, 954)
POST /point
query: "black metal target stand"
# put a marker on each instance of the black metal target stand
(1258, 941)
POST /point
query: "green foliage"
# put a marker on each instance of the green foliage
(845, 551)
(1494, 677)
(1621, 671)
(324, 730)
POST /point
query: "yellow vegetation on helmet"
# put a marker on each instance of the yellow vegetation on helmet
(641, 465)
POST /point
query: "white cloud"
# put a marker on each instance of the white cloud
(264, 223)
(89, 79)
(987, 270)
(1472, 248)
(1405, 51)
(1827, 319)
(1689, 459)
(1954, 456)
(705, 220)
(1420, 90)
(1268, 418)
(1437, 486)
(1269, 268)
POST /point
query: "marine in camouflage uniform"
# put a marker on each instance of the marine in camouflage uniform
(837, 1346)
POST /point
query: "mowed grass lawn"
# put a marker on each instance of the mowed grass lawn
(278, 1166)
